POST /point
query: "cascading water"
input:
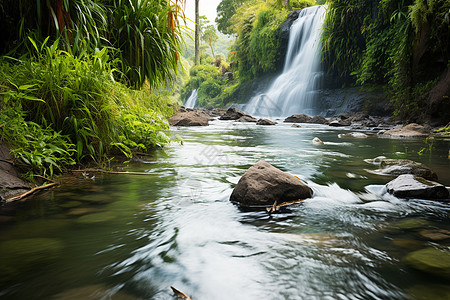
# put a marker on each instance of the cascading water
(295, 89)
(191, 102)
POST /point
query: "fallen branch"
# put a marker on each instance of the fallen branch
(179, 294)
(109, 172)
(26, 194)
(277, 206)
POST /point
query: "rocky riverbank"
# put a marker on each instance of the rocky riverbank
(359, 121)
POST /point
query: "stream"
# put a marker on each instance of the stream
(105, 236)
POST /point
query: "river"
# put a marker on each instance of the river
(132, 237)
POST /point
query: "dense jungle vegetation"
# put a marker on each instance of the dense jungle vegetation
(81, 80)
(402, 46)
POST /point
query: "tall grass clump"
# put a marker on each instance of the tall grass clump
(79, 99)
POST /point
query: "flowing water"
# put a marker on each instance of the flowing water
(132, 237)
(294, 91)
(191, 102)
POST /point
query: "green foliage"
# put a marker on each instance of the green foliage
(144, 34)
(393, 42)
(79, 98)
(40, 150)
(149, 39)
(258, 38)
(225, 11)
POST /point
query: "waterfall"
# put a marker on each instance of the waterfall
(294, 90)
(191, 102)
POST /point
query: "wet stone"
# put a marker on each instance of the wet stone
(70, 204)
(410, 186)
(430, 260)
(435, 234)
(96, 218)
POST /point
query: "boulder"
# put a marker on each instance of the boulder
(217, 112)
(317, 141)
(396, 167)
(432, 261)
(411, 186)
(340, 123)
(296, 125)
(264, 186)
(300, 118)
(318, 120)
(410, 130)
(265, 122)
(247, 119)
(190, 118)
(10, 182)
(233, 114)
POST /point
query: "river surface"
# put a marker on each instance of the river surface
(133, 236)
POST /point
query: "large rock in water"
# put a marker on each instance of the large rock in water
(190, 118)
(233, 114)
(410, 130)
(396, 167)
(410, 186)
(299, 118)
(265, 122)
(263, 185)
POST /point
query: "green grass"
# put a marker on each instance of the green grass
(71, 109)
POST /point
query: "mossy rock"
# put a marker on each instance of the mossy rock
(70, 204)
(96, 218)
(412, 224)
(433, 291)
(93, 292)
(19, 256)
(430, 260)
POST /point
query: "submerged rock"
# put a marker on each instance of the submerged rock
(265, 122)
(93, 292)
(431, 261)
(435, 234)
(263, 185)
(410, 186)
(96, 218)
(410, 130)
(190, 118)
(396, 167)
(296, 125)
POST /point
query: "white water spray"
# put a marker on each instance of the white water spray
(191, 102)
(294, 90)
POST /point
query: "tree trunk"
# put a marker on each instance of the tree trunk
(197, 33)
(210, 45)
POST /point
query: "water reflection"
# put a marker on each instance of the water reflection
(135, 236)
